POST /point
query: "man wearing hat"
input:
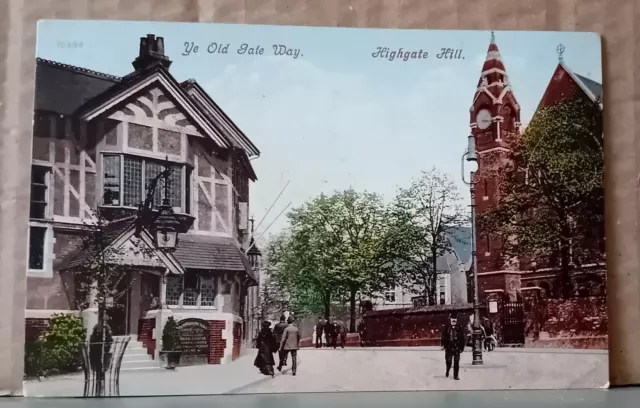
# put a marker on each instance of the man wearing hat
(453, 342)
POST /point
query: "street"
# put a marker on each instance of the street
(371, 369)
(387, 369)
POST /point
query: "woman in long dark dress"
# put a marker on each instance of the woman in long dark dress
(267, 345)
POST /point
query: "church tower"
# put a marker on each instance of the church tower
(495, 123)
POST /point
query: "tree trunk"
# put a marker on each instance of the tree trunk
(352, 310)
(565, 269)
(326, 302)
(434, 279)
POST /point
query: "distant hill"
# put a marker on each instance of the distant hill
(461, 243)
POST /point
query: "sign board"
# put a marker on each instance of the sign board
(493, 306)
(194, 336)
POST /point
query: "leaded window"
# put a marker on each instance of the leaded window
(128, 178)
(194, 290)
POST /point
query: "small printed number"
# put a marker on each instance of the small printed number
(69, 44)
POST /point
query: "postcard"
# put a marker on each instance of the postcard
(220, 209)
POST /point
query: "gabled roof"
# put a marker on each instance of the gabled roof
(594, 87)
(71, 90)
(139, 80)
(217, 115)
(212, 253)
(192, 252)
(112, 231)
(63, 88)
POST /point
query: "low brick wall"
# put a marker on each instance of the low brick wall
(34, 328)
(216, 343)
(421, 326)
(568, 323)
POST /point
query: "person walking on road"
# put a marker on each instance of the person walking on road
(290, 343)
(453, 342)
(267, 345)
(319, 332)
(278, 330)
(329, 332)
(341, 333)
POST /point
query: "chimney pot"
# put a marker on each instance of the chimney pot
(151, 53)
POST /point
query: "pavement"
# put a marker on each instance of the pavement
(361, 369)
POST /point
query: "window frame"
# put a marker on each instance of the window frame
(47, 250)
(386, 297)
(198, 291)
(186, 205)
(45, 223)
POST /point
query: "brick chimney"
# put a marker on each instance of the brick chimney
(151, 53)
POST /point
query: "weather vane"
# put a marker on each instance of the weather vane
(560, 51)
(493, 37)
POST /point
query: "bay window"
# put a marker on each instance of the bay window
(193, 289)
(126, 180)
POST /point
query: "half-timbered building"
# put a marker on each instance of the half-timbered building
(98, 140)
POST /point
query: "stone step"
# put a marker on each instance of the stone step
(136, 357)
(139, 364)
(145, 369)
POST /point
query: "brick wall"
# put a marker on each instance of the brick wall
(410, 327)
(574, 323)
(34, 328)
(237, 340)
(145, 334)
(216, 343)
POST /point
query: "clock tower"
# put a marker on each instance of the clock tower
(495, 123)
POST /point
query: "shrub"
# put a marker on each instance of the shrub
(58, 349)
(171, 336)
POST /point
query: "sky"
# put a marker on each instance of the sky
(335, 117)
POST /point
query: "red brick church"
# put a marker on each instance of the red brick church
(495, 122)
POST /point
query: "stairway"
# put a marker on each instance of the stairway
(136, 357)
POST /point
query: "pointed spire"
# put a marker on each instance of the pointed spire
(494, 59)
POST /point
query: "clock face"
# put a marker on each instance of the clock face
(483, 119)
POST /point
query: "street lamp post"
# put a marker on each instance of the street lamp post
(164, 223)
(476, 335)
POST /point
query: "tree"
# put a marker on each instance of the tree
(272, 298)
(336, 247)
(303, 265)
(426, 215)
(551, 198)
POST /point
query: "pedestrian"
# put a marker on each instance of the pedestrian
(267, 345)
(319, 331)
(290, 343)
(453, 342)
(330, 332)
(277, 332)
(362, 331)
(341, 333)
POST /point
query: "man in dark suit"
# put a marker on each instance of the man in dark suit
(319, 332)
(278, 330)
(453, 342)
(290, 343)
